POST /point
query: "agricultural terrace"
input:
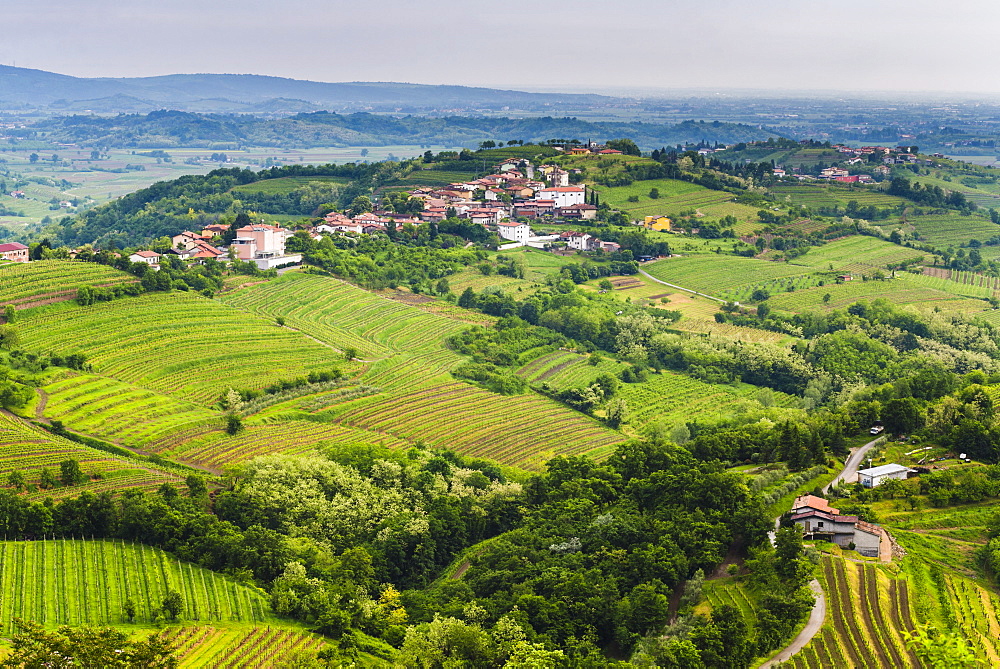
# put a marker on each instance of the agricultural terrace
(719, 275)
(566, 369)
(30, 284)
(944, 230)
(240, 646)
(77, 582)
(830, 195)
(178, 344)
(29, 450)
(278, 433)
(857, 253)
(418, 399)
(867, 609)
(107, 408)
(672, 398)
(702, 202)
(471, 277)
(285, 185)
(341, 315)
(904, 289)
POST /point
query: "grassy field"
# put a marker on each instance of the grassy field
(951, 229)
(858, 253)
(30, 449)
(76, 582)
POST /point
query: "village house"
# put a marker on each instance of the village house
(14, 252)
(149, 257)
(778, 172)
(562, 196)
(818, 520)
(188, 238)
(215, 229)
(514, 231)
(584, 211)
(875, 476)
(17, 194)
(579, 241)
(659, 223)
(264, 244)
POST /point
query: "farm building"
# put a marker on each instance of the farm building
(14, 251)
(875, 476)
(818, 520)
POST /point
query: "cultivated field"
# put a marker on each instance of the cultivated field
(947, 230)
(74, 582)
(29, 450)
(829, 195)
(29, 284)
(178, 344)
(240, 646)
(719, 275)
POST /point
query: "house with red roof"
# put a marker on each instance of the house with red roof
(14, 252)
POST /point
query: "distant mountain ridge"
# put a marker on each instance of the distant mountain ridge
(38, 89)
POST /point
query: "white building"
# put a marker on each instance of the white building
(870, 478)
(148, 257)
(514, 231)
(563, 196)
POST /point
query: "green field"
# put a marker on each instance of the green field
(240, 646)
(74, 582)
(858, 253)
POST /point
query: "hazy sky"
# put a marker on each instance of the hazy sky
(870, 45)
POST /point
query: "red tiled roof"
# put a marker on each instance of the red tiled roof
(12, 246)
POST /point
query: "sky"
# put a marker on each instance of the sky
(587, 45)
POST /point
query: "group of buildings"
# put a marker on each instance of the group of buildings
(260, 243)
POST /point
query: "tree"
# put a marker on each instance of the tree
(70, 474)
(33, 158)
(625, 145)
(196, 485)
(361, 205)
(234, 424)
(173, 604)
(16, 479)
(33, 646)
(129, 608)
(46, 479)
(940, 649)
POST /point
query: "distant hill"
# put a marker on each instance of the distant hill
(27, 88)
(165, 129)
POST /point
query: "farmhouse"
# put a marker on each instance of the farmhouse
(264, 244)
(660, 223)
(584, 211)
(870, 478)
(148, 257)
(14, 252)
(818, 520)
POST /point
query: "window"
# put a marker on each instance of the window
(819, 524)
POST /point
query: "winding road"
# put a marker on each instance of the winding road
(818, 613)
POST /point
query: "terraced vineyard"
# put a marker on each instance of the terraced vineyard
(341, 315)
(178, 344)
(857, 250)
(904, 289)
(418, 398)
(29, 449)
(217, 450)
(238, 647)
(829, 195)
(106, 408)
(76, 582)
(29, 284)
(867, 610)
(718, 275)
(943, 230)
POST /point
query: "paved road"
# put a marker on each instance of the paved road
(813, 626)
(853, 463)
(818, 613)
(673, 285)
